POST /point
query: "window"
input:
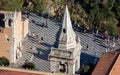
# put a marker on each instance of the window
(64, 30)
(7, 38)
(62, 67)
(10, 22)
(2, 23)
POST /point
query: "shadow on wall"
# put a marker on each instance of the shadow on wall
(88, 63)
(41, 53)
(57, 38)
(86, 59)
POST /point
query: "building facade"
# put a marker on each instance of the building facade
(13, 29)
(66, 58)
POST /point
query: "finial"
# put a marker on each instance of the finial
(66, 7)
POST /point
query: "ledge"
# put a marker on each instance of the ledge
(30, 71)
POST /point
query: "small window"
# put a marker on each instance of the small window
(64, 30)
(8, 39)
(10, 22)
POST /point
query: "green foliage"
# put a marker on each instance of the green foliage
(111, 27)
(57, 6)
(39, 5)
(79, 15)
(88, 12)
(29, 65)
(98, 12)
(58, 3)
(4, 61)
(85, 68)
(117, 10)
(11, 5)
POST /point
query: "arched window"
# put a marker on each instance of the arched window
(2, 23)
(10, 22)
(64, 30)
(62, 67)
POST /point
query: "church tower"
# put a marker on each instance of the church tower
(66, 58)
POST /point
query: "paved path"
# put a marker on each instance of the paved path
(38, 53)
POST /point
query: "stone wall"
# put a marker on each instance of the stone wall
(31, 71)
(5, 42)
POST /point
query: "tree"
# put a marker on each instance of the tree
(116, 10)
(102, 15)
(4, 61)
(29, 65)
(39, 5)
(78, 14)
(11, 5)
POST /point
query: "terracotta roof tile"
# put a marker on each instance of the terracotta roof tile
(105, 63)
(116, 68)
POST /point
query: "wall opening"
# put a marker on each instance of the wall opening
(62, 67)
(64, 30)
(7, 38)
(10, 22)
(2, 23)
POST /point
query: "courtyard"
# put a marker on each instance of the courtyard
(37, 50)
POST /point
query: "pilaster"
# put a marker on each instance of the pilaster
(71, 68)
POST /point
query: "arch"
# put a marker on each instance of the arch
(10, 22)
(2, 23)
(62, 67)
(64, 30)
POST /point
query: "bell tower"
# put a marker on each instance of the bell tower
(66, 58)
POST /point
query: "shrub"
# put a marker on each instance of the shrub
(4, 61)
(29, 65)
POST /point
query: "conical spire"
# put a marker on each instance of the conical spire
(67, 36)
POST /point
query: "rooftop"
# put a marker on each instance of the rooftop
(40, 51)
(116, 67)
(106, 63)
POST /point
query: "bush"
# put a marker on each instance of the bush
(11, 5)
(87, 69)
(111, 26)
(29, 65)
(4, 61)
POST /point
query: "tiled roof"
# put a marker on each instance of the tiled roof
(105, 63)
(116, 68)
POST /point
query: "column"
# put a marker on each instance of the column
(77, 63)
(20, 53)
(53, 66)
(66, 68)
(71, 68)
